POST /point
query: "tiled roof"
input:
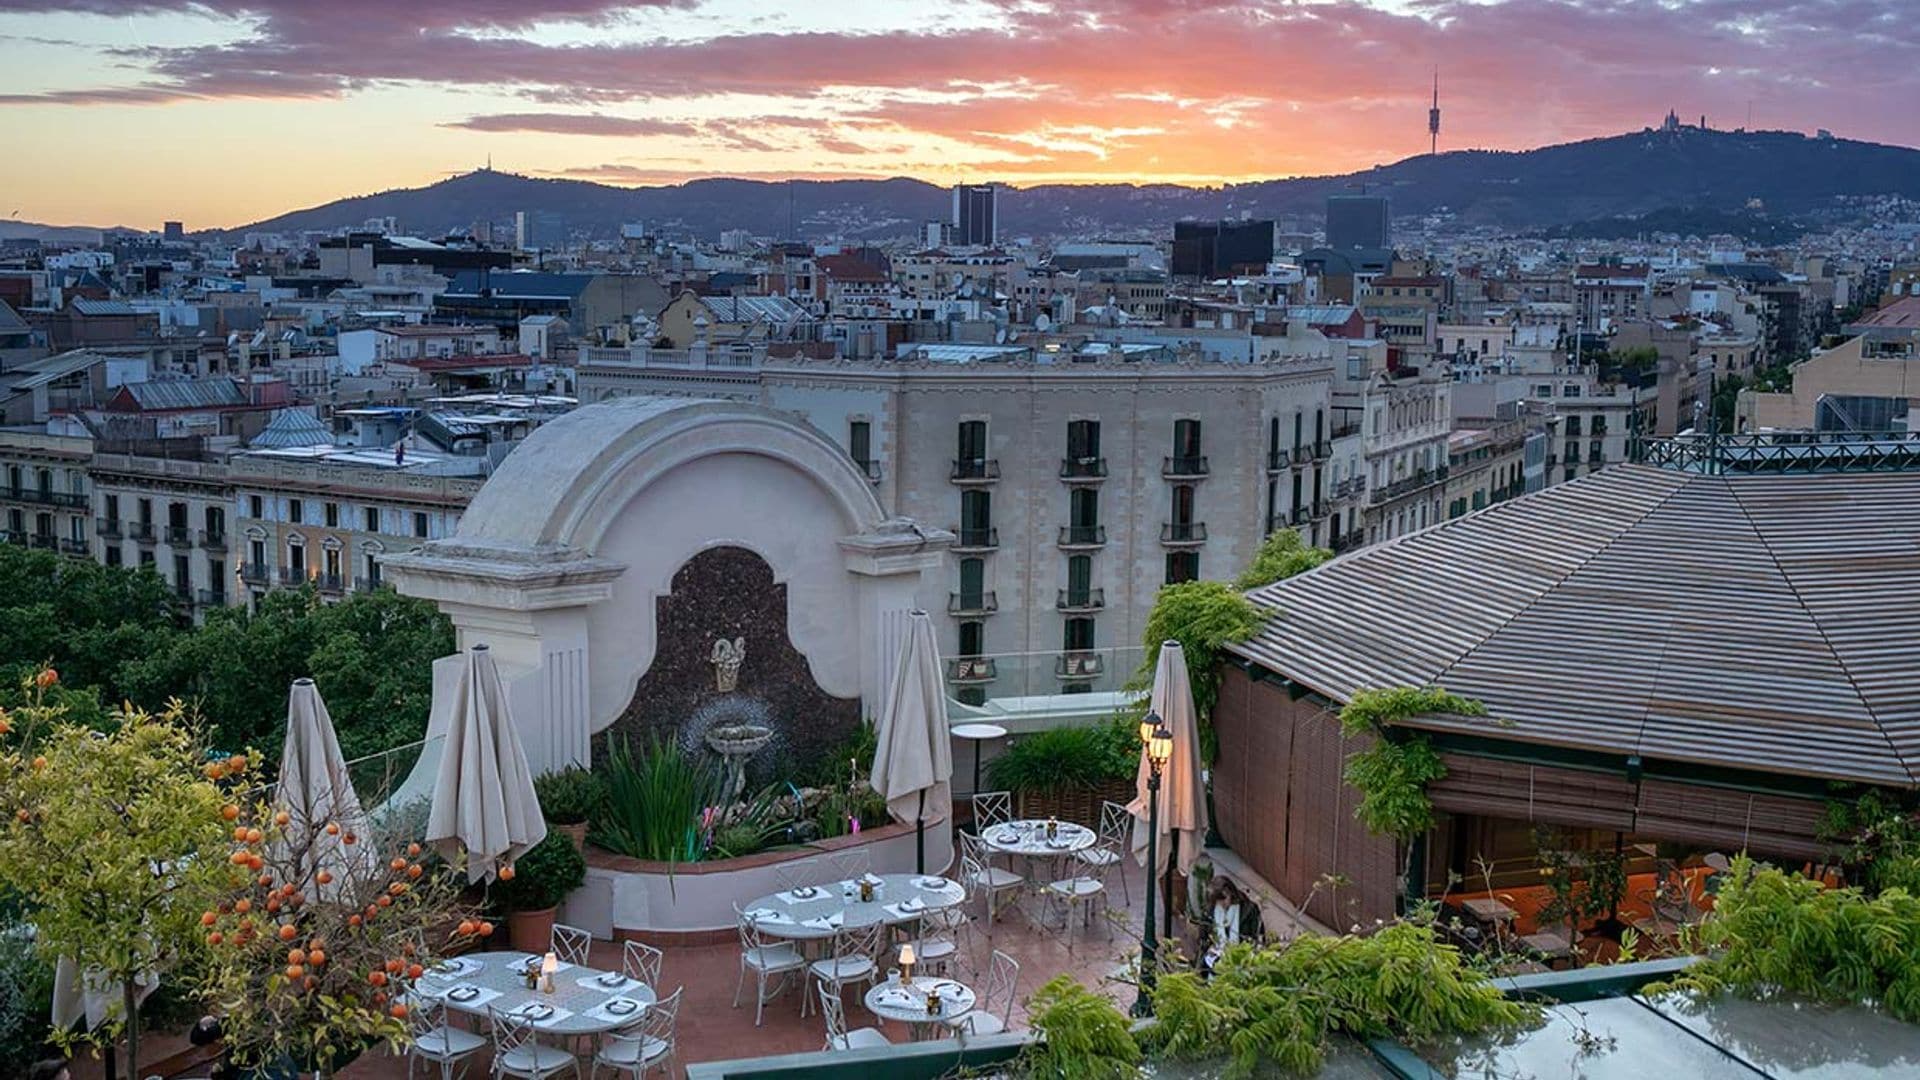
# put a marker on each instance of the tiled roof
(161, 395)
(1757, 622)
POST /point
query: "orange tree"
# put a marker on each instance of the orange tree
(112, 837)
(319, 934)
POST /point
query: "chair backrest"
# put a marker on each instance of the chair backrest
(639, 960)
(992, 808)
(851, 863)
(662, 1018)
(1002, 979)
(1098, 869)
(791, 874)
(751, 936)
(860, 940)
(571, 944)
(510, 1032)
(833, 1012)
(425, 1016)
(1116, 825)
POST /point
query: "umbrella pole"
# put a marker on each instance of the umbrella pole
(920, 836)
(1166, 885)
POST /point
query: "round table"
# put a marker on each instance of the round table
(889, 1000)
(578, 998)
(802, 917)
(1029, 838)
(977, 734)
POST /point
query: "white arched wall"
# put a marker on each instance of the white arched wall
(560, 559)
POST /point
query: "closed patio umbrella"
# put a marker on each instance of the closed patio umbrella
(483, 799)
(913, 757)
(315, 789)
(1183, 796)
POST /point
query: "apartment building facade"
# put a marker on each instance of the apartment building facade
(44, 491)
(169, 513)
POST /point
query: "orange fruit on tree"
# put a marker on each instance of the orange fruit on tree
(208, 918)
(243, 905)
(215, 938)
(413, 850)
(23, 815)
(377, 978)
(214, 771)
(316, 957)
(349, 839)
(297, 899)
(239, 835)
(255, 862)
(237, 762)
(414, 871)
(398, 888)
(353, 921)
(239, 858)
(486, 929)
(385, 901)
(296, 956)
(323, 877)
(506, 872)
(282, 818)
(380, 998)
(400, 1011)
(230, 812)
(333, 828)
(288, 932)
(287, 889)
(414, 971)
(397, 864)
(467, 927)
(309, 983)
(46, 678)
(316, 944)
(294, 971)
(273, 904)
(254, 836)
(393, 967)
(39, 763)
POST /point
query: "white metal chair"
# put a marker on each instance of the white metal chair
(1002, 979)
(850, 959)
(1116, 836)
(1082, 891)
(978, 874)
(518, 1051)
(838, 1037)
(571, 944)
(791, 875)
(851, 863)
(991, 808)
(641, 961)
(766, 959)
(434, 1041)
(651, 1041)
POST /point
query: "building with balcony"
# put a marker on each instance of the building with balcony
(44, 490)
(169, 512)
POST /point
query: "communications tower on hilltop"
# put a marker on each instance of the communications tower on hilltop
(1433, 117)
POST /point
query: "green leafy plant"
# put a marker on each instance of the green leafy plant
(543, 875)
(116, 842)
(1876, 837)
(1392, 775)
(657, 799)
(1083, 1036)
(1204, 617)
(1283, 1003)
(1772, 932)
(1075, 756)
(1282, 555)
(832, 768)
(26, 995)
(570, 796)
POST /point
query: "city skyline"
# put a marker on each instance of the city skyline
(227, 111)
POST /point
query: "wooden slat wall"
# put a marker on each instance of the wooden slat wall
(1535, 793)
(1731, 821)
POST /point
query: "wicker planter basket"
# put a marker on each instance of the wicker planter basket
(1080, 805)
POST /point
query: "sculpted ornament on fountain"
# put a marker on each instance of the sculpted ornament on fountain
(727, 656)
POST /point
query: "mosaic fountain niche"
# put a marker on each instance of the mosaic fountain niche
(726, 679)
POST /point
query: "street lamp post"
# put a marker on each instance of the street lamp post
(1157, 741)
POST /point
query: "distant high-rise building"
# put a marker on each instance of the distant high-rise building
(1219, 248)
(538, 230)
(1356, 221)
(976, 214)
(173, 230)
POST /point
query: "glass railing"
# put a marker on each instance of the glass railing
(1063, 671)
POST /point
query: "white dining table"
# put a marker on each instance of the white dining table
(889, 1000)
(584, 1001)
(1029, 838)
(817, 911)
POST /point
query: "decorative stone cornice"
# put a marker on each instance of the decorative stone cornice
(500, 576)
(895, 546)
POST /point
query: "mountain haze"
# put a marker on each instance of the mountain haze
(1554, 185)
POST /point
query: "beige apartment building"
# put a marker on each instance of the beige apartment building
(44, 491)
(1864, 383)
(169, 513)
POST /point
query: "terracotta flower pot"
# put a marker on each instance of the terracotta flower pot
(576, 833)
(531, 931)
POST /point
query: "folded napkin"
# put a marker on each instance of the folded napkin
(542, 1014)
(932, 884)
(459, 997)
(897, 997)
(454, 968)
(827, 922)
(767, 915)
(799, 896)
(617, 1010)
(600, 981)
(871, 879)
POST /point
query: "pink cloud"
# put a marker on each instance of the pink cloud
(574, 124)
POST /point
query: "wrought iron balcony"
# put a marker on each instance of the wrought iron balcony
(179, 535)
(971, 669)
(256, 573)
(975, 471)
(293, 576)
(79, 549)
(213, 541)
(966, 539)
(141, 531)
(44, 541)
(985, 602)
(367, 584)
(1079, 664)
(1277, 460)
(330, 583)
(213, 598)
(1083, 468)
(1081, 600)
(1083, 536)
(1179, 533)
(1184, 468)
(111, 528)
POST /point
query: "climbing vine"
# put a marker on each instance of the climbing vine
(1204, 617)
(1392, 775)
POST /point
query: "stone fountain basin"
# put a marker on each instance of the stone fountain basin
(738, 739)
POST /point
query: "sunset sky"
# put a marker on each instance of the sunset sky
(219, 112)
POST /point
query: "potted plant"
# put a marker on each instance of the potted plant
(1067, 772)
(541, 879)
(569, 799)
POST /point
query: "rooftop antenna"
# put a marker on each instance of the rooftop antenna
(1433, 116)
